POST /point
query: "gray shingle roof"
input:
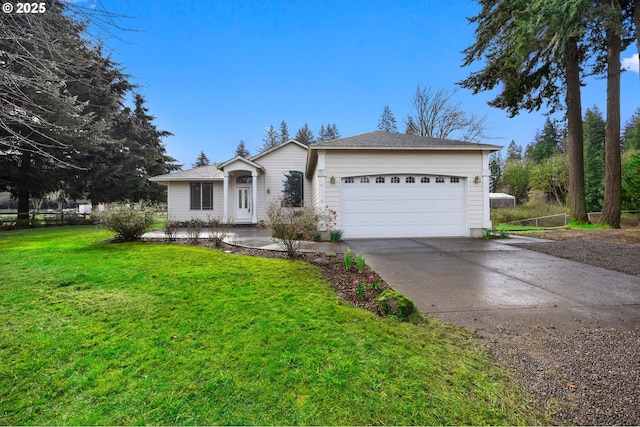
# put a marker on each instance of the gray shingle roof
(203, 173)
(381, 139)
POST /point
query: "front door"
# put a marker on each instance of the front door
(243, 204)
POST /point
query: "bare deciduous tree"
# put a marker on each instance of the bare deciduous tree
(434, 114)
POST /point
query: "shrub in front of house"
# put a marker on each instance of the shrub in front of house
(292, 225)
(127, 222)
(395, 304)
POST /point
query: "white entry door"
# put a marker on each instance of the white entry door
(243, 204)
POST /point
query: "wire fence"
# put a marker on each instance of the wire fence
(559, 220)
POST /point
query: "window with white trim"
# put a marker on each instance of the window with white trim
(410, 180)
(348, 180)
(395, 180)
(455, 180)
(201, 196)
(425, 180)
(364, 180)
(439, 180)
(380, 180)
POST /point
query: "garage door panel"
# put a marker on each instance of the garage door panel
(404, 209)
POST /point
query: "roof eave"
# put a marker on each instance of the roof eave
(479, 147)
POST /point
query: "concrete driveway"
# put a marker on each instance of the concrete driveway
(490, 284)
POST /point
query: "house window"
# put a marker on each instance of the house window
(293, 188)
(410, 180)
(364, 180)
(395, 180)
(201, 196)
(425, 180)
(348, 180)
(455, 180)
(439, 179)
(380, 180)
(244, 179)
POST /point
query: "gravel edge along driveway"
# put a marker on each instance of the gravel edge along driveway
(586, 376)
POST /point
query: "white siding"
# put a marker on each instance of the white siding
(179, 202)
(286, 158)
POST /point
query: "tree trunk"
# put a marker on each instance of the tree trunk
(612, 176)
(577, 204)
(23, 210)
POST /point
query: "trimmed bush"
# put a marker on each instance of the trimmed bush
(128, 223)
(395, 304)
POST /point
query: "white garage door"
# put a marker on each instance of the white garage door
(404, 206)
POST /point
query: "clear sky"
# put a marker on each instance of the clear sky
(216, 72)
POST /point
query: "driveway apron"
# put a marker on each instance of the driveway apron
(490, 284)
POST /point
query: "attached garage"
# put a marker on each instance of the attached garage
(396, 205)
(383, 184)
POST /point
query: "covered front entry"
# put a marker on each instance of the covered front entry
(404, 206)
(239, 190)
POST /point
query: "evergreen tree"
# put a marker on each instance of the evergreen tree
(202, 160)
(631, 138)
(305, 135)
(546, 143)
(495, 167)
(271, 139)
(411, 128)
(514, 152)
(328, 133)
(242, 151)
(387, 121)
(284, 132)
(44, 127)
(594, 129)
(535, 59)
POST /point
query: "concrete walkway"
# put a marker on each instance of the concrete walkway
(490, 284)
(257, 238)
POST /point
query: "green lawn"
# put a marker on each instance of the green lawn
(119, 334)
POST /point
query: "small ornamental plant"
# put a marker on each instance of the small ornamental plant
(360, 262)
(373, 282)
(347, 259)
(360, 287)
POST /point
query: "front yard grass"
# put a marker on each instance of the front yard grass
(139, 333)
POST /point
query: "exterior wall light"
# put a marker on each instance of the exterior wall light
(332, 179)
(477, 179)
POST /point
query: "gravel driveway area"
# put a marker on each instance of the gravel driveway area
(586, 376)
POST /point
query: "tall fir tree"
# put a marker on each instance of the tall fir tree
(631, 135)
(387, 121)
(594, 129)
(284, 132)
(546, 143)
(271, 138)
(242, 151)
(495, 168)
(328, 133)
(514, 152)
(305, 135)
(202, 160)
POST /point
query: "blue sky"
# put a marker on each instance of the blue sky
(217, 72)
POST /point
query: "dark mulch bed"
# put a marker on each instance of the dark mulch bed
(332, 267)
